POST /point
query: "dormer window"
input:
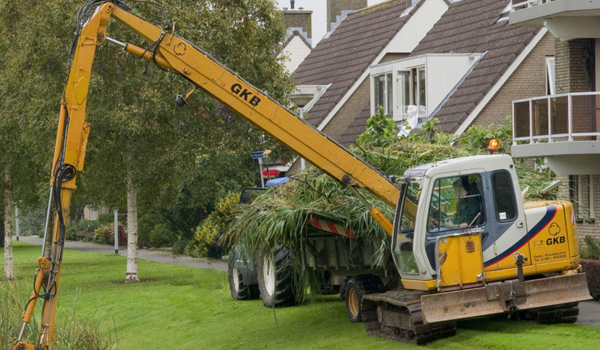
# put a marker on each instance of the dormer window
(412, 97)
(412, 88)
(384, 91)
(402, 94)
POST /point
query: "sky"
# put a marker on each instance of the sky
(319, 9)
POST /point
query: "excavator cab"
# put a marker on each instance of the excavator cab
(474, 198)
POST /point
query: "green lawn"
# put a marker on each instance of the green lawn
(187, 308)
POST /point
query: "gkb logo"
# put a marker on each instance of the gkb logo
(245, 94)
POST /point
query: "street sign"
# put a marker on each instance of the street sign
(257, 155)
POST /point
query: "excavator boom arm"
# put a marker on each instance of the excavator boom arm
(175, 54)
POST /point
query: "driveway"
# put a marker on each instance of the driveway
(589, 311)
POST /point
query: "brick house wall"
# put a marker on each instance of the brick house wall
(528, 80)
(570, 68)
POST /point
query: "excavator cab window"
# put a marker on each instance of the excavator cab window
(403, 238)
(456, 202)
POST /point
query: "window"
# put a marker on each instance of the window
(456, 202)
(504, 196)
(384, 93)
(404, 91)
(412, 92)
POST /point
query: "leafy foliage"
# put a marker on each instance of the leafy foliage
(590, 249)
(591, 267)
(381, 130)
(136, 128)
(106, 234)
(205, 241)
(280, 216)
(83, 226)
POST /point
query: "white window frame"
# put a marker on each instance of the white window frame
(550, 75)
(414, 84)
(387, 77)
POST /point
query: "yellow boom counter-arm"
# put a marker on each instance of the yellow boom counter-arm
(174, 54)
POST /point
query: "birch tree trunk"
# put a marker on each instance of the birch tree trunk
(132, 232)
(9, 272)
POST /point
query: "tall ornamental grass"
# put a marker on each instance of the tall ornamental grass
(72, 332)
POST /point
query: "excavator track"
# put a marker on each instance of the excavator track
(566, 313)
(397, 315)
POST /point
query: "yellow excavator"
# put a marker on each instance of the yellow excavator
(509, 257)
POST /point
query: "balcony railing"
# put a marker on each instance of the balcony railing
(555, 118)
(523, 4)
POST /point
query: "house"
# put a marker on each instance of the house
(296, 48)
(298, 43)
(337, 70)
(457, 61)
(563, 126)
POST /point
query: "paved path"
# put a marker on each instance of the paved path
(157, 255)
(589, 311)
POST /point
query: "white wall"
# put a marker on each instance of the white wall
(296, 51)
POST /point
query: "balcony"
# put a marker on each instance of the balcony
(565, 19)
(563, 128)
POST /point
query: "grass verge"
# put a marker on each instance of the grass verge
(188, 308)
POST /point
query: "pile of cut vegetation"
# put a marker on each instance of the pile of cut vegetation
(281, 214)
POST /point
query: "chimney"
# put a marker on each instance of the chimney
(335, 8)
(298, 19)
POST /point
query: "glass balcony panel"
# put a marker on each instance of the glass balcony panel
(540, 117)
(559, 108)
(521, 119)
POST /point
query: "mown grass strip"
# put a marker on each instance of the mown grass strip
(179, 307)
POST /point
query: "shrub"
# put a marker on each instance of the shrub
(206, 239)
(106, 234)
(179, 246)
(32, 223)
(109, 218)
(590, 249)
(592, 271)
(71, 234)
(161, 236)
(82, 226)
(146, 223)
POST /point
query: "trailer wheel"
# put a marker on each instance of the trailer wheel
(276, 279)
(356, 288)
(242, 282)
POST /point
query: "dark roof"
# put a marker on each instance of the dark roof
(342, 58)
(471, 26)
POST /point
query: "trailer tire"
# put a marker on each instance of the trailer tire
(355, 289)
(242, 282)
(276, 278)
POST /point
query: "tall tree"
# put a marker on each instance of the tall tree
(24, 111)
(142, 145)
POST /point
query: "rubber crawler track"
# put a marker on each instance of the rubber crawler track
(397, 315)
(566, 313)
